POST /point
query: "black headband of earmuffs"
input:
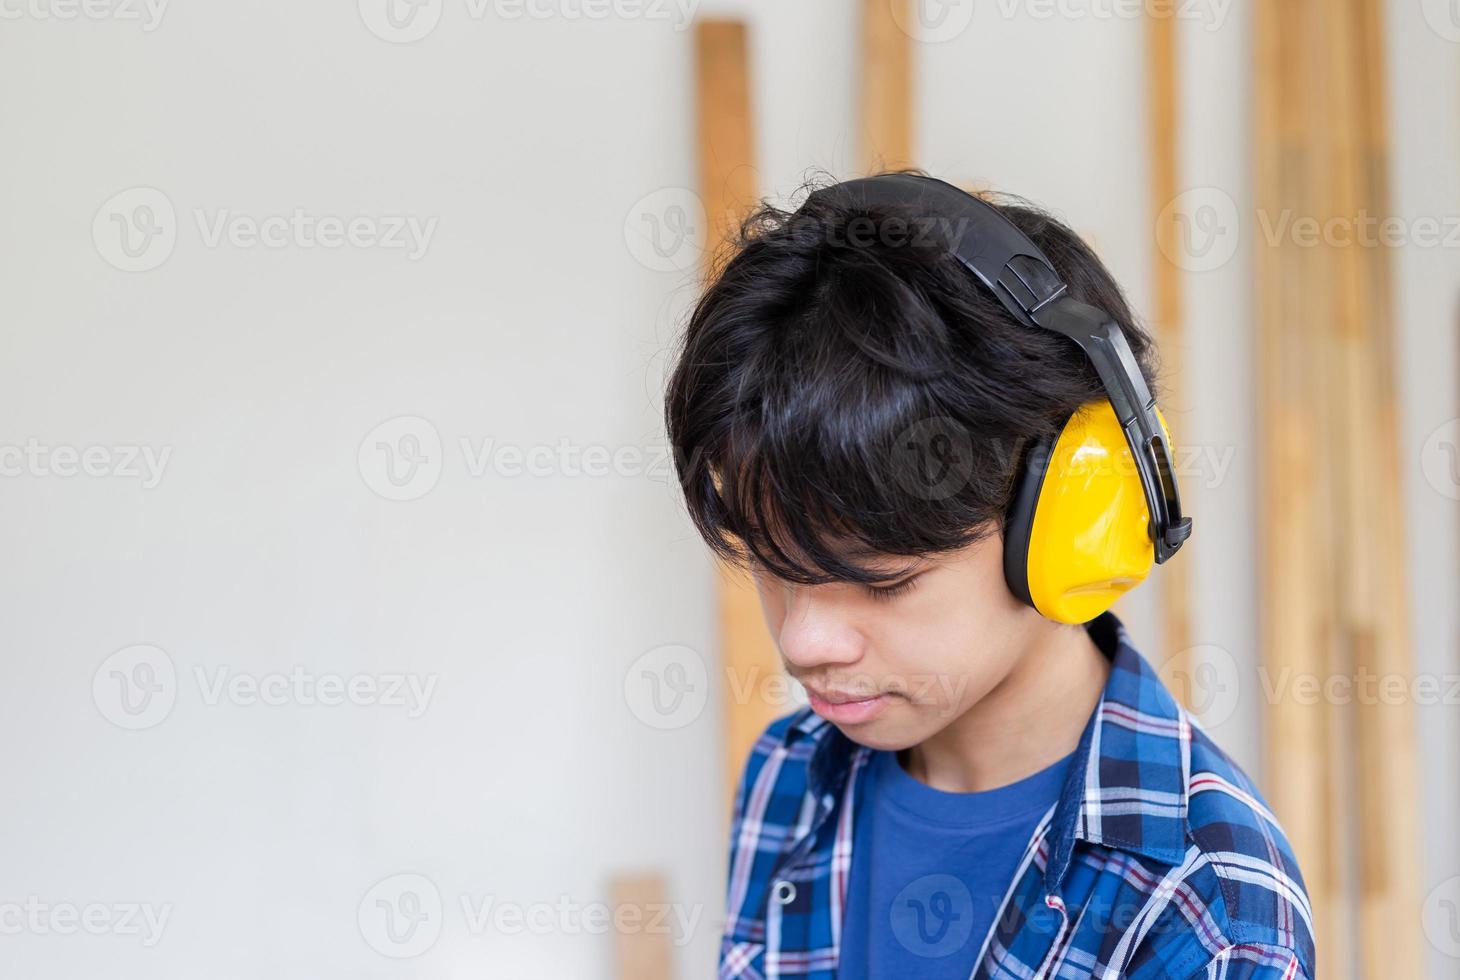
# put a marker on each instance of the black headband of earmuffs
(1017, 272)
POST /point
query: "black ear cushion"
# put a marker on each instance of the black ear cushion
(1019, 523)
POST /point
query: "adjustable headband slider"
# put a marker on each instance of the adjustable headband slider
(1030, 283)
(1172, 540)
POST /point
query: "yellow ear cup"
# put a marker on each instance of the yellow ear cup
(1089, 542)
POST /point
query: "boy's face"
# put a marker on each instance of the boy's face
(893, 669)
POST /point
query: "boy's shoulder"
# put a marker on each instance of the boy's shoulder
(1247, 874)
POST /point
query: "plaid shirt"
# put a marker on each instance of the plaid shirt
(1160, 859)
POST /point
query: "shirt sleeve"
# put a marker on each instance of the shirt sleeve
(1251, 961)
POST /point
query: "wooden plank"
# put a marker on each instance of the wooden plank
(728, 186)
(1328, 377)
(1374, 596)
(1294, 505)
(644, 951)
(1162, 99)
(887, 104)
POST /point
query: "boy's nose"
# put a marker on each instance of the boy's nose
(813, 635)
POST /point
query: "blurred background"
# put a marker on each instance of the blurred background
(349, 622)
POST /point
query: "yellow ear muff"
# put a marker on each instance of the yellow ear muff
(1089, 538)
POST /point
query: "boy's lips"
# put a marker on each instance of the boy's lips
(847, 709)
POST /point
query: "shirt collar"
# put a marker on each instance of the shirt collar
(1126, 787)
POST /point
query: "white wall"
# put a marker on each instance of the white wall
(537, 314)
(526, 322)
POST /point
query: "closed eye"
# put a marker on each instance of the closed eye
(886, 593)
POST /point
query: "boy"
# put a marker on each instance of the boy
(924, 423)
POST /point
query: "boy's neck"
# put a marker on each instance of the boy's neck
(1033, 718)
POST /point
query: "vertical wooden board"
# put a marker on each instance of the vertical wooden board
(887, 124)
(728, 186)
(1374, 597)
(1321, 155)
(726, 137)
(642, 950)
(1296, 584)
(1162, 101)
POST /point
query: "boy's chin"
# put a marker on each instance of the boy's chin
(888, 734)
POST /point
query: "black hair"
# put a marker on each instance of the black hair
(839, 349)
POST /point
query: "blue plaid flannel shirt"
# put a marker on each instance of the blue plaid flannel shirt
(1160, 858)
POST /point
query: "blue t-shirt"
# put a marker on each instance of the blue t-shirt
(930, 869)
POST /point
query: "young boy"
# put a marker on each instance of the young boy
(924, 422)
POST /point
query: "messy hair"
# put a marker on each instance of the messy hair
(846, 389)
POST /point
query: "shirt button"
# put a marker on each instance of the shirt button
(785, 892)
